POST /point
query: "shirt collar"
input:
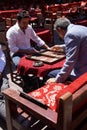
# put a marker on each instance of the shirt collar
(70, 26)
(18, 28)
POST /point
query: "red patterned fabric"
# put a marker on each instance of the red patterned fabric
(50, 94)
(26, 67)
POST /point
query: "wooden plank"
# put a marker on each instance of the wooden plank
(65, 112)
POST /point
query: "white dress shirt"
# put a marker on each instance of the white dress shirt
(2, 60)
(17, 39)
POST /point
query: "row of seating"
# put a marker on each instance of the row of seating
(66, 6)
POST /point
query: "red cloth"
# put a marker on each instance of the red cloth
(26, 67)
(50, 93)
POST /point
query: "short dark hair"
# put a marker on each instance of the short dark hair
(62, 23)
(22, 14)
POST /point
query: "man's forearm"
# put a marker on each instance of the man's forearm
(27, 51)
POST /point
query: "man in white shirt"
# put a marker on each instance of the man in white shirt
(19, 37)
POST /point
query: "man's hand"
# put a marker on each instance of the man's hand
(51, 80)
(56, 48)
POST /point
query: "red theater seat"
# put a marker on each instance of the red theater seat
(50, 94)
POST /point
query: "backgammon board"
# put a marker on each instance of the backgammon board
(47, 56)
(53, 54)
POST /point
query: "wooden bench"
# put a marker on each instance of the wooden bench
(24, 114)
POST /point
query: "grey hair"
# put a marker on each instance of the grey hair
(61, 22)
